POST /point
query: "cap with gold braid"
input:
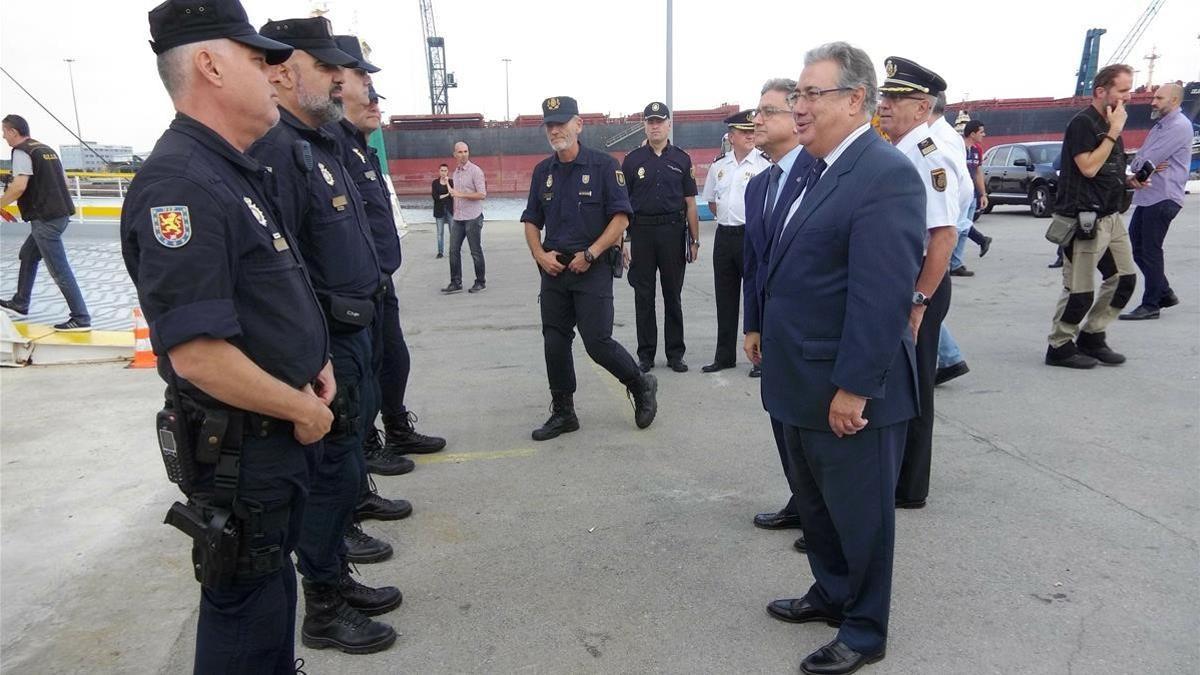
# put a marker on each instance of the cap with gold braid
(909, 77)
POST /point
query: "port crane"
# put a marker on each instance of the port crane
(1090, 59)
(440, 82)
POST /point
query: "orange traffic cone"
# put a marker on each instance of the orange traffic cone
(143, 353)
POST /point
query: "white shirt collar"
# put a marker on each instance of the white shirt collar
(837, 152)
(914, 136)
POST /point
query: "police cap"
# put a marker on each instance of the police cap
(313, 35)
(559, 109)
(351, 45)
(181, 22)
(741, 120)
(373, 95)
(906, 77)
(656, 111)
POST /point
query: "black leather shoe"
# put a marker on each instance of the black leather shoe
(836, 658)
(1056, 264)
(372, 505)
(983, 248)
(777, 521)
(330, 622)
(1095, 346)
(479, 286)
(800, 610)
(756, 371)
(400, 436)
(1068, 356)
(910, 503)
(369, 601)
(646, 366)
(1169, 300)
(678, 365)
(800, 544)
(644, 394)
(1140, 313)
(948, 373)
(380, 461)
(961, 271)
(452, 288)
(715, 366)
(362, 548)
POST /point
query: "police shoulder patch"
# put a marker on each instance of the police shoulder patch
(718, 158)
(938, 177)
(172, 225)
(620, 178)
(927, 146)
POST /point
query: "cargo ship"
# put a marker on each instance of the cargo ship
(1016, 120)
(508, 151)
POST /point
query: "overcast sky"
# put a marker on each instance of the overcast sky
(609, 55)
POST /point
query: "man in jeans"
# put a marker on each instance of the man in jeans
(1168, 148)
(39, 188)
(468, 193)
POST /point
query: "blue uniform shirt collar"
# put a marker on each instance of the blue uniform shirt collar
(580, 158)
(320, 133)
(210, 139)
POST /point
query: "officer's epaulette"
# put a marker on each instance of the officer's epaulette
(719, 157)
(927, 146)
(764, 155)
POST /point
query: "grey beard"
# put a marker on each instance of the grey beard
(325, 109)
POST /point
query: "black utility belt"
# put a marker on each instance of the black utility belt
(731, 227)
(659, 219)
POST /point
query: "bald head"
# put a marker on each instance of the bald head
(461, 153)
(1167, 100)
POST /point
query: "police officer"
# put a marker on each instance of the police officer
(664, 235)
(577, 198)
(361, 162)
(320, 203)
(907, 97)
(239, 334)
(725, 192)
(361, 103)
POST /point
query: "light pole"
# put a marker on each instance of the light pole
(75, 102)
(507, 117)
(670, 63)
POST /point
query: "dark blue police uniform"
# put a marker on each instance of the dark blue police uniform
(319, 200)
(572, 204)
(205, 248)
(658, 188)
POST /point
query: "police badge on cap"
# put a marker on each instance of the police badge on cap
(559, 109)
(908, 77)
(656, 111)
(741, 120)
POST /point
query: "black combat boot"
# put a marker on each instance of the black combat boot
(330, 622)
(562, 417)
(643, 391)
(369, 601)
(372, 505)
(363, 548)
(1068, 356)
(401, 438)
(1093, 345)
(382, 462)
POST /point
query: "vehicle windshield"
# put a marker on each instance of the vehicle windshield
(1045, 154)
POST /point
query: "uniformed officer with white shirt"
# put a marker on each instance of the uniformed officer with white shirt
(906, 98)
(725, 190)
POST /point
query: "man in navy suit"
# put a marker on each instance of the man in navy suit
(837, 356)
(770, 193)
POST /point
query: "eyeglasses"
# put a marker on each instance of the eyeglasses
(769, 111)
(812, 94)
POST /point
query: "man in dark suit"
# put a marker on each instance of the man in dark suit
(837, 355)
(770, 192)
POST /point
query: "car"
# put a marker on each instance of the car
(1022, 173)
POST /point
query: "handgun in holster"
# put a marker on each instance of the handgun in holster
(616, 261)
(215, 538)
(345, 411)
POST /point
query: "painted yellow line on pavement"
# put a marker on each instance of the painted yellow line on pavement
(457, 457)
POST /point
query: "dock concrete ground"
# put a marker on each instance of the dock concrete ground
(1060, 537)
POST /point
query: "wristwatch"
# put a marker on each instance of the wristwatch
(587, 255)
(920, 298)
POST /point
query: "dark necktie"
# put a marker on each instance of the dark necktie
(772, 190)
(810, 182)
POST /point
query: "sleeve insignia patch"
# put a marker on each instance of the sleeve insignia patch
(621, 177)
(926, 146)
(939, 179)
(172, 225)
